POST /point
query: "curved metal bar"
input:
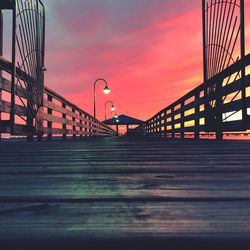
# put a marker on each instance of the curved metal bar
(27, 10)
(112, 113)
(221, 2)
(107, 102)
(32, 51)
(217, 45)
(100, 79)
(96, 81)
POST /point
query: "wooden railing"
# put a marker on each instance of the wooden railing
(60, 116)
(71, 119)
(187, 116)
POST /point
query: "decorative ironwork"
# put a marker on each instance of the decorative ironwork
(223, 45)
(28, 39)
(220, 103)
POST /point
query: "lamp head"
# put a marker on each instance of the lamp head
(113, 108)
(106, 90)
(116, 116)
(117, 120)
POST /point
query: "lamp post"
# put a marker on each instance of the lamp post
(112, 113)
(106, 91)
(117, 124)
(112, 107)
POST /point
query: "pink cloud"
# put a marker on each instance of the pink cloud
(150, 55)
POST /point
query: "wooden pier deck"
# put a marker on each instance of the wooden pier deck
(125, 193)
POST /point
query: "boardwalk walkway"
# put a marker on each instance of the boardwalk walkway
(125, 193)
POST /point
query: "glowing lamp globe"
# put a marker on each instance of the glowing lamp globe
(106, 90)
(113, 108)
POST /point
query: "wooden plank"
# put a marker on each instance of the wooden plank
(5, 107)
(56, 131)
(165, 186)
(75, 224)
(64, 131)
(65, 101)
(60, 109)
(56, 119)
(6, 86)
(6, 65)
(124, 190)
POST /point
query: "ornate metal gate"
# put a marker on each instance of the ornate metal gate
(27, 66)
(223, 46)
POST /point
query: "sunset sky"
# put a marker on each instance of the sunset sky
(149, 51)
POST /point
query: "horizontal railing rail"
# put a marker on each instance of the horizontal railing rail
(79, 121)
(60, 116)
(187, 115)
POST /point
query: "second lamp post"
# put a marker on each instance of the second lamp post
(106, 91)
(112, 107)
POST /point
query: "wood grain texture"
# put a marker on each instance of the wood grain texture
(126, 193)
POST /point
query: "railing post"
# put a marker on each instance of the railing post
(98, 129)
(86, 125)
(117, 129)
(182, 134)
(197, 116)
(1, 74)
(219, 122)
(159, 126)
(93, 128)
(165, 124)
(153, 127)
(90, 127)
(13, 69)
(156, 127)
(80, 124)
(243, 65)
(74, 120)
(29, 121)
(173, 122)
(49, 123)
(64, 126)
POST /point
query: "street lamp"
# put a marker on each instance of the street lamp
(111, 113)
(106, 91)
(112, 107)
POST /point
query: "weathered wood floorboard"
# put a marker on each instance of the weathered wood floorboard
(125, 193)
